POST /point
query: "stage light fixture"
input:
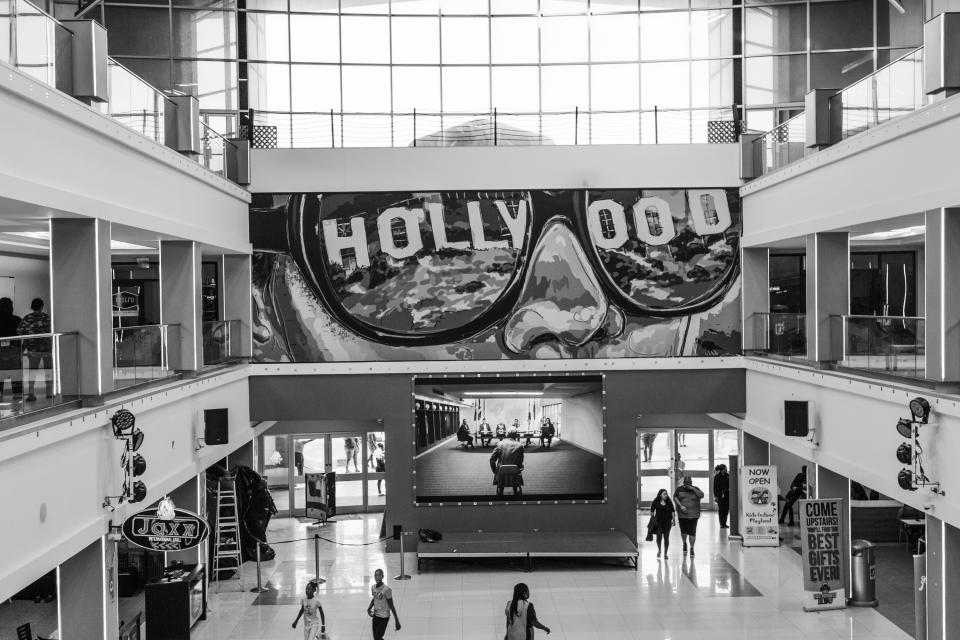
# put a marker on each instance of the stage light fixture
(905, 453)
(136, 440)
(123, 422)
(138, 492)
(905, 428)
(137, 464)
(905, 480)
(920, 409)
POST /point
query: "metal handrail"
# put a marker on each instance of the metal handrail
(148, 326)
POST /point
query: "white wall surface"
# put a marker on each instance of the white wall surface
(904, 166)
(62, 157)
(459, 168)
(56, 473)
(856, 427)
(31, 276)
(582, 420)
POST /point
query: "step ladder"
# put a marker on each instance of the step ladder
(227, 554)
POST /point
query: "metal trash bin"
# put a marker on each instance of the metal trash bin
(863, 568)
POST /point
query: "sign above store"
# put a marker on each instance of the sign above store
(146, 529)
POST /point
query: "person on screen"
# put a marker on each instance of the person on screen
(501, 431)
(547, 432)
(506, 463)
(687, 498)
(485, 433)
(463, 434)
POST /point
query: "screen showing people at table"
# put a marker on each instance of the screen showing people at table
(493, 439)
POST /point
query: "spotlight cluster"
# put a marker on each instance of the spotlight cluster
(133, 464)
(910, 452)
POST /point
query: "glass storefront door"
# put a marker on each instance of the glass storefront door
(664, 456)
(357, 458)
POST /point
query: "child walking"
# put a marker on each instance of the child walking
(313, 626)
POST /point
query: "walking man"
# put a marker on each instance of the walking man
(381, 604)
(721, 493)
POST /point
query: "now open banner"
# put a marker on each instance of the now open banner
(822, 532)
(758, 491)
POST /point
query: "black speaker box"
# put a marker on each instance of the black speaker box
(796, 418)
(216, 426)
(397, 530)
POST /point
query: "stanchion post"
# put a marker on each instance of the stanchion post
(403, 574)
(259, 588)
(316, 557)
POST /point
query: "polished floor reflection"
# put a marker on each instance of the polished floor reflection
(725, 593)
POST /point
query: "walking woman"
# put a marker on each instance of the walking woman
(521, 616)
(665, 516)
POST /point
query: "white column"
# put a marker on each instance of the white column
(755, 296)
(180, 301)
(828, 294)
(941, 296)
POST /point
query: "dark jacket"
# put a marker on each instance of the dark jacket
(721, 486)
(688, 499)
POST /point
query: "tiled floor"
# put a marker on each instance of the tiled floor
(726, 593)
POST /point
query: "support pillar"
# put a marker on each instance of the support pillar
(935, 578)
(828, 294)
(87, 589)
(236, 301)
(80, 301)
(180, 302)
(834, 485)
(186, 497)
(755, 297)
(941, 266)
(951, 579)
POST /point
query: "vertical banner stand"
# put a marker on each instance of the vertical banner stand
(403, 575)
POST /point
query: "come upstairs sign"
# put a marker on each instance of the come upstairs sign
(148, 530)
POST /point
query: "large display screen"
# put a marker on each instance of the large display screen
(511, 439)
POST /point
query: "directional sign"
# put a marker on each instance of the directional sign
(145, 529)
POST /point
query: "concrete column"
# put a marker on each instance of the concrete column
(834, 485)
(936, 541)
(755, 450)
(88, 594)
(942, 298)
(828, 294)
(80, 301)
(755, 296)
(180, 301)
(236, 301)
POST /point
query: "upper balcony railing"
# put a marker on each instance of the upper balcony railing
(42, 370)
(145, 353)
(891, 91)
(494, 128)
(221, 341)
(38, 45)
(894, 345)
(779, 334)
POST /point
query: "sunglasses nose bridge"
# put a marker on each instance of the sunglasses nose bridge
(561, 297)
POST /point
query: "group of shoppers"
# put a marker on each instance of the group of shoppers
(38, 351)
(684, 507)
(521, 617)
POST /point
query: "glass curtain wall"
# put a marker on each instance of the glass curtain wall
(319, 68)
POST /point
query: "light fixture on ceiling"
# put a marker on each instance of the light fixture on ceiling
(896, 5)
(500, 394)
(44, 236)
(893, 234)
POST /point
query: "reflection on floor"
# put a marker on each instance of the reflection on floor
(676, 599)
(41, 616)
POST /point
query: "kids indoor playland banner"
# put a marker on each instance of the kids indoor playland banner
(488, 275)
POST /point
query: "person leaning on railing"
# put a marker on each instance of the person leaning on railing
(37, 350)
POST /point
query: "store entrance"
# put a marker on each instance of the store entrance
(356, 458)
(664, 456)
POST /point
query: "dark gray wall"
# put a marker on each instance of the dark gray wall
(365, 398)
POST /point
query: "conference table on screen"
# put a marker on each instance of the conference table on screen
(524, 435)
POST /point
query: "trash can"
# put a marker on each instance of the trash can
(863, 568)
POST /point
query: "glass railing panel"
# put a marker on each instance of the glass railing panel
(782, 145)
(36, 43)
(136, 104)
(891, 344)
(891, 91)
(38, 372)
(141, 354)
(213, 149)
(221, 341)
(779, 334)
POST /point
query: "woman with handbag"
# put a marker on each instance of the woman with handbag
(663, 517)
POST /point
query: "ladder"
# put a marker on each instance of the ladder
(227, 555)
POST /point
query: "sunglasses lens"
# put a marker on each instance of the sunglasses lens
(666, 249)
(421, 263)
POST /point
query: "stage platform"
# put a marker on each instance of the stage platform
(530, 545)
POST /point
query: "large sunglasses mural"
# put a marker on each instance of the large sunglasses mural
(485, 275)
